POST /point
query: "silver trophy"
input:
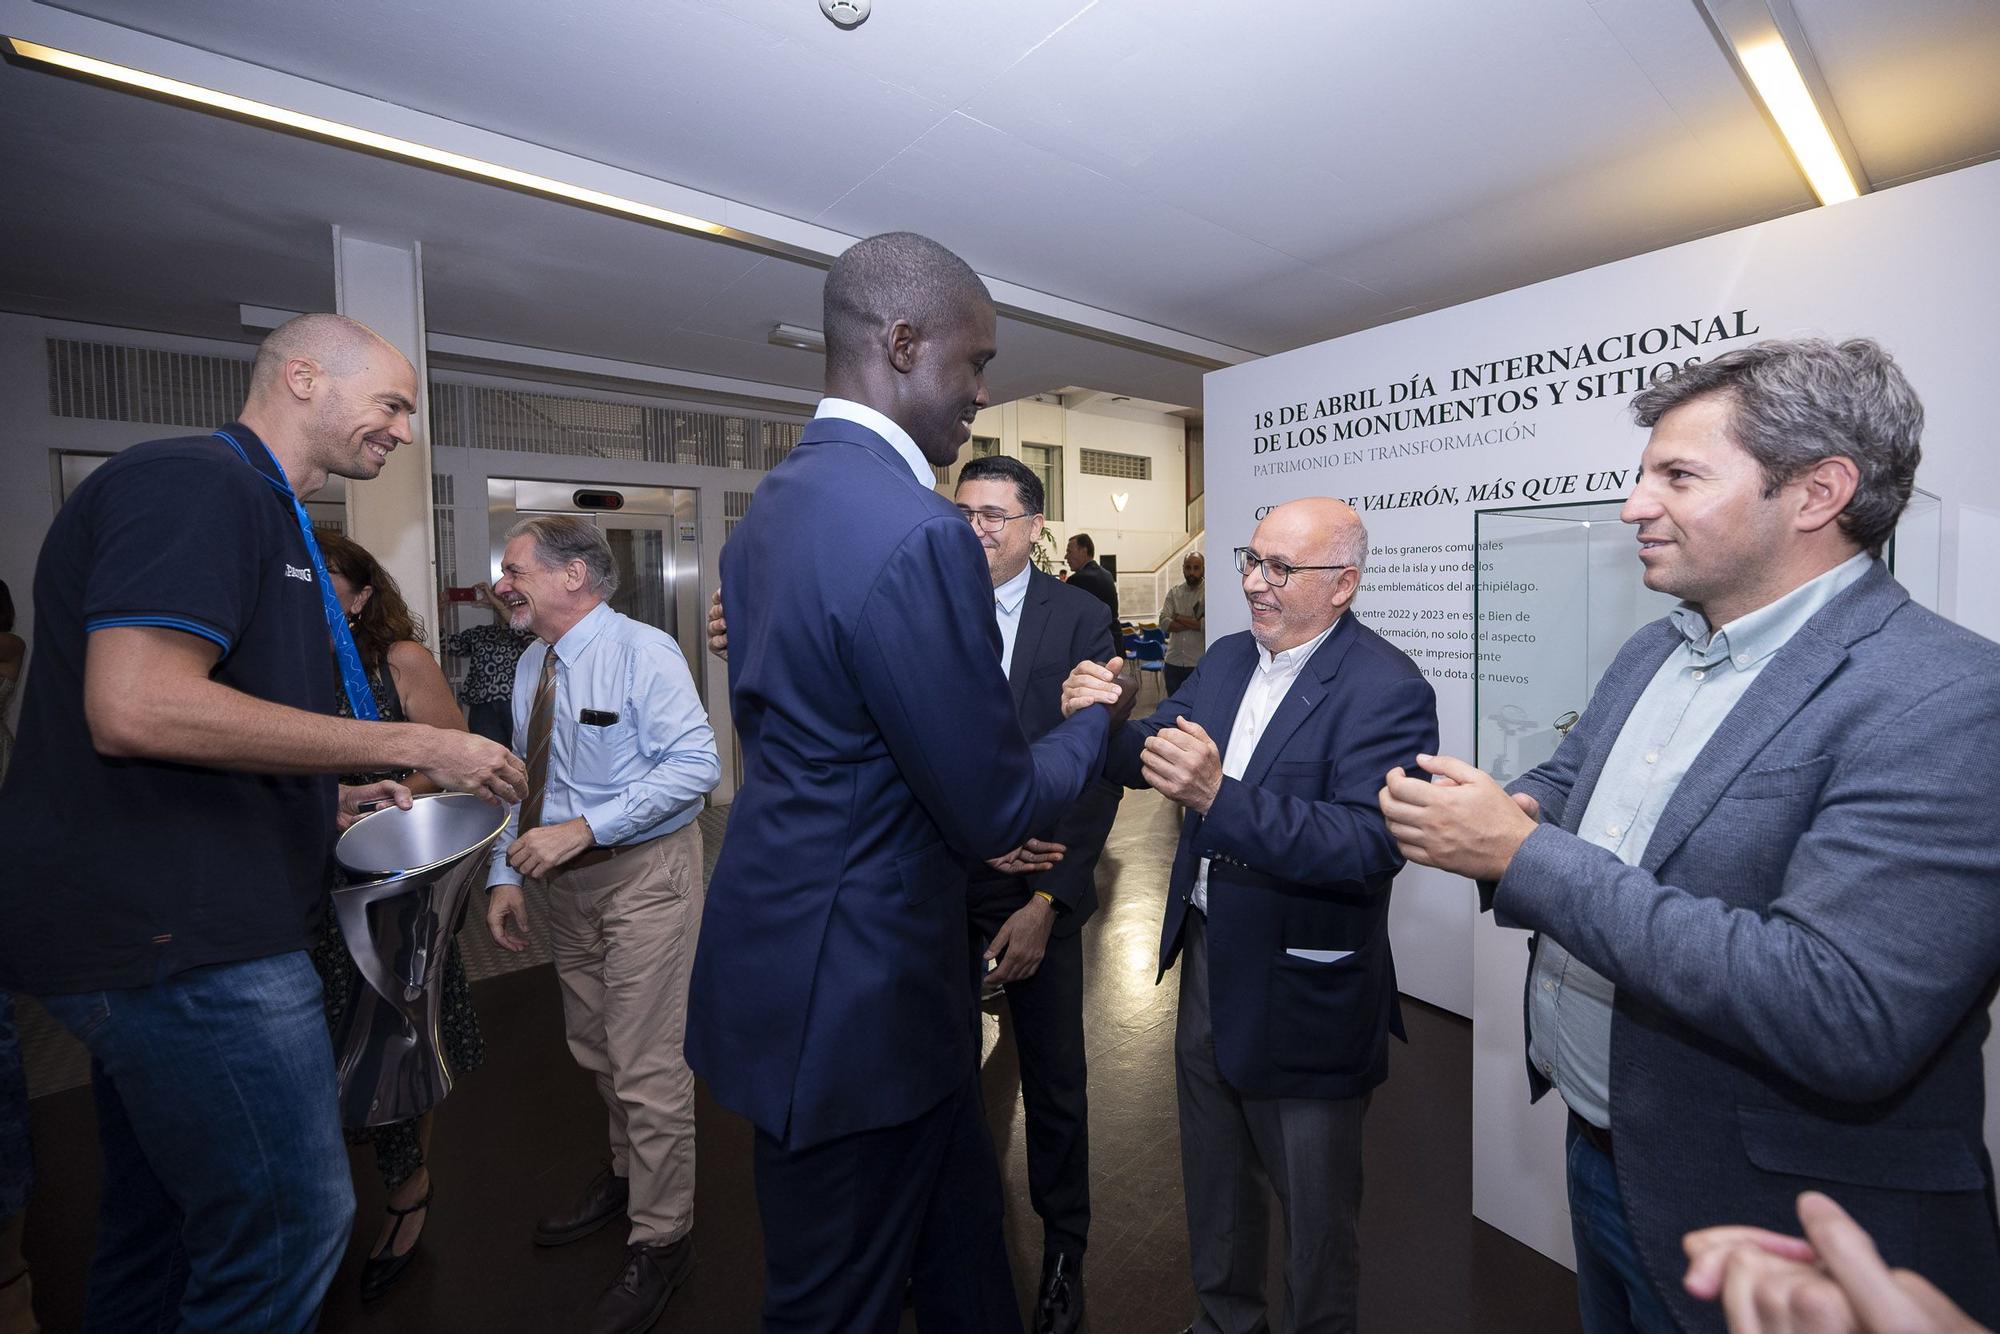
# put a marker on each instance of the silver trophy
(408, 875)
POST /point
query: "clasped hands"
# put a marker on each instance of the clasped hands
(1099, 683)
(1455, 817)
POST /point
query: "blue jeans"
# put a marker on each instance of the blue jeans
(1611, 1286)
(226, 1200)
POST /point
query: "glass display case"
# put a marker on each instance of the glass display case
(1558, 589)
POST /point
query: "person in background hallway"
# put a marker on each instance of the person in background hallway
(1278, 911)
(169, 819)
(490, 652)
(1831, 1281)
(620, 756)
(1028, 927)
(832, 1001)
(1181, 617)
(1761, 869)
(406, 683)
(1081, 557)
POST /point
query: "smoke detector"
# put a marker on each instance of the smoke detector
(846, 13)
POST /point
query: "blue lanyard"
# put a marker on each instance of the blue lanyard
(353, 676)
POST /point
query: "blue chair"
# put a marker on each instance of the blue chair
(1151, 655)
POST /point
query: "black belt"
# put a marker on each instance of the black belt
(597, 855)
(1598, 1137)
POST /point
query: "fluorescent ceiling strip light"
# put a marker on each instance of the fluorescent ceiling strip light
(548, 187)
(385, 144)
(1771, 68)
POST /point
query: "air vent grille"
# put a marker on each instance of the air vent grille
(1111, 463)
(110, 382)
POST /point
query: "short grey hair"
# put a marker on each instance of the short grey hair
(1794, 402)
(1350, 546)
(562, 538)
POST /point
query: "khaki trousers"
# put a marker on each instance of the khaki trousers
(623, 933)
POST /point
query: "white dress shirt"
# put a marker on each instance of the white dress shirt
(1008, 599)
(635, 777)
(1269, 684)
(846, 409)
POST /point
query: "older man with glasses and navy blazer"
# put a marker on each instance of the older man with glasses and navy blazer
(1278, 912)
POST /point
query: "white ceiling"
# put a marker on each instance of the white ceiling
(1259, 175)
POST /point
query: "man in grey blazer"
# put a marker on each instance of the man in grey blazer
(1761, 869)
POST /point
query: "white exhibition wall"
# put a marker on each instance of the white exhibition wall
(1421, 423)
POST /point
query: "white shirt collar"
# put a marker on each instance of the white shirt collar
(1008, 596)
(846, 409)
(1291, 658)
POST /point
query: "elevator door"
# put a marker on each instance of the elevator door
(652, 533)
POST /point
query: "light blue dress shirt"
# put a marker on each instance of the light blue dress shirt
(633, 779)
(1008, 599)
(1687, 701)
(846, 409)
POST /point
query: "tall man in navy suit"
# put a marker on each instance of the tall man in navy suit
(1028, 924)
(1761, 869)
(830, 996)
(1279, 914)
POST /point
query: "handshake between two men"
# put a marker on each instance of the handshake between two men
(1089, 683)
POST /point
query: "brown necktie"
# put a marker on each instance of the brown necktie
(541, 722)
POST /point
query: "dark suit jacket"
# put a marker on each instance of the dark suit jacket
(1060, 627)
(1805, 954)
(880, 749)
(1300, 860)
(1095, 580)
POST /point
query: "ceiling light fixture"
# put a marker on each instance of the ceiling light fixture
(793, 335)
(547, 187)
(1765, 40)
(385, 145)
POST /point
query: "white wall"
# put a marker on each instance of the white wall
(1914, 266)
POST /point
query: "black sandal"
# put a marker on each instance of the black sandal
(382, 1270)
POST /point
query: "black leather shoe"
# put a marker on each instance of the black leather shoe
(602, 1200)
(381, 1270)
(1059, 1309)
(635, 1299)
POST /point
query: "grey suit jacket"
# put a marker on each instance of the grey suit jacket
(1805, 955)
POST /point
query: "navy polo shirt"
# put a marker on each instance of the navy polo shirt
(121, 872)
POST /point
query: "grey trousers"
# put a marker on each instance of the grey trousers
(1308, 1150)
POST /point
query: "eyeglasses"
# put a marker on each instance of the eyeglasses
(989, 521)
(1276, 573)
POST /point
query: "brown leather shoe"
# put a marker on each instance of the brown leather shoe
(602, 1200)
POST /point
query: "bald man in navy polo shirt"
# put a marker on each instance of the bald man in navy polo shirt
(170, 820)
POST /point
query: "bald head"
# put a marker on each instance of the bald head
(1307, 536)
(330, 395)
(337, 345)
